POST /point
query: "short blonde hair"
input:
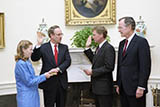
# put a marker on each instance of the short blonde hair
(23, 44)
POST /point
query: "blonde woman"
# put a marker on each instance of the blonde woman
(26, 81)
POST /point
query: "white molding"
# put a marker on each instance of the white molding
(75, 50)
(7, 88)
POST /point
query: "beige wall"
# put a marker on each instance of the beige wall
(23, 16)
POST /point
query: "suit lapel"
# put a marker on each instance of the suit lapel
(99, 53)
(60, 48)
(130, 47)
(50, 53)
(121, 47)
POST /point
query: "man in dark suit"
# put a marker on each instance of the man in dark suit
(103, 62)
(134, 65)
(55, 56)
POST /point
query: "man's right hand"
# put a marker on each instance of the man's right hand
(40, 38)
(89, 41)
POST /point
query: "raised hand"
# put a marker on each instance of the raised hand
(89, 41)
(40, 38)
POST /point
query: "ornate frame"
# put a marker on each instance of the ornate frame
(107, 16)
(2, 43)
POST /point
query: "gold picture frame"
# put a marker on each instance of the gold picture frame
(2, 43)
(83, 12)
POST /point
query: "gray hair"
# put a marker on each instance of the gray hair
(129, 21)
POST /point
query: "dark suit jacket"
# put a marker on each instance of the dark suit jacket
(48, 62)
(134, 68)
(102, 66)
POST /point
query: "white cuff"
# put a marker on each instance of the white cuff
(141, 88)
(37, 46)
(59, 69)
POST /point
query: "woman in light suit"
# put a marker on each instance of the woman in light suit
(26, 81)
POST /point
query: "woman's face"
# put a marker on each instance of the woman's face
(28, 52)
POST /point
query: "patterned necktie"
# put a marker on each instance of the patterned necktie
(125, 47)
(56, 54)
(97, 49)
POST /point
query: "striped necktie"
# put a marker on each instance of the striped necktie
(125, 47)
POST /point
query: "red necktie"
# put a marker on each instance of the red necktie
(56, 54)
(125, 47)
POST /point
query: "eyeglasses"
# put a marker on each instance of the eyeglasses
(60, 34)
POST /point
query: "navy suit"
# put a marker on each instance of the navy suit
(58, 82)
(101, 79)
(133, 69)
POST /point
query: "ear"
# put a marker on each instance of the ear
(130, 27)
(52, 35)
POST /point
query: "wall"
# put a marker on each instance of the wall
(23, 16)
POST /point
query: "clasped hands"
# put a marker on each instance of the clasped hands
(51, 72)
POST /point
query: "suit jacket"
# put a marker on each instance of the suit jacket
(48, 62)
(102, 66)
(133, 69)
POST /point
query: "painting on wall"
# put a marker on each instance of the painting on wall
(2, 44)
(90, 12)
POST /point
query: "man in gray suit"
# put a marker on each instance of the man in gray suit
(103, 61)
(134, 65)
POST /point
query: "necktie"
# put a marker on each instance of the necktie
(97, 49)
(125, 47)
(56, 54)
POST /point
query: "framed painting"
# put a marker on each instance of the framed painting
(90, 12)
(2, 43)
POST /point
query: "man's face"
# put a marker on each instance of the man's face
(97, 37)
(123, 29)
(57, 36)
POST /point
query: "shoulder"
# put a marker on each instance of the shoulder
(141, 39)
(108, 45)
(63, 45)
(21, 62)
(45, 44)
(122, 41)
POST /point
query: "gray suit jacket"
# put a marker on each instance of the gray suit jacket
(102, 66)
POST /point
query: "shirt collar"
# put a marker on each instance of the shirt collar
(52, 44)
(100, 45)
(130, 38)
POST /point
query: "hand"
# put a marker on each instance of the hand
(139, 93)
(89, 41)
(47, 75)
(117, 89)
(53, 71)
(88, 72)
(40, 38)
